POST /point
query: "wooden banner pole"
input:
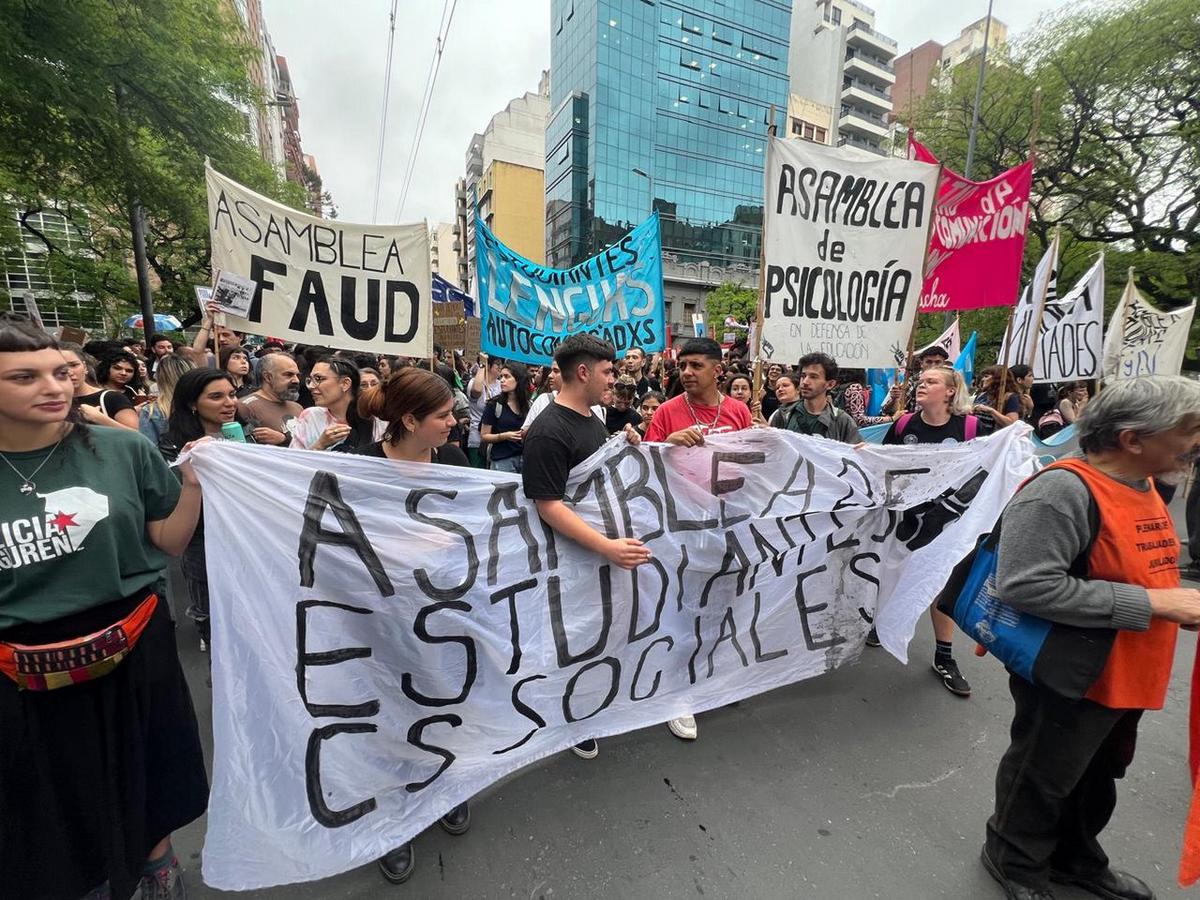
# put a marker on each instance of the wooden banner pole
(759, 313)
(1041, 316)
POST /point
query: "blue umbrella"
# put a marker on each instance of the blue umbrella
(162, 322)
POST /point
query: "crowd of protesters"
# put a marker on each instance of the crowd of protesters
(134, 770)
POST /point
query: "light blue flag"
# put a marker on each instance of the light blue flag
(966, 359)
(528, 309)
(879, 381)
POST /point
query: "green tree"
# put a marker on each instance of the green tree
(1118, 152)
(729, 299)
(104, 100)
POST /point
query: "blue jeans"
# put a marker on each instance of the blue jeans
(512, 464)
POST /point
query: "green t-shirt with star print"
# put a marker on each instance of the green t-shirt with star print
(78, 539)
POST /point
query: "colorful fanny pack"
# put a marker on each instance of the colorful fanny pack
(47, 667)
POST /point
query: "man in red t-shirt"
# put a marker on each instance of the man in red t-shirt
(702, 409)
(685, 420)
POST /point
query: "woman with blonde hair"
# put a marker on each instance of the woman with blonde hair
(152, 416)
(943, 416)
(943, 413)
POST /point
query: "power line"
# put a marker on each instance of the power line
(427, 101)
(383, 113)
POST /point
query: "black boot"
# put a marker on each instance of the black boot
(457, 821)
(397, 866)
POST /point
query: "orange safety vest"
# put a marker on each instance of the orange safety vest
(1136, 544)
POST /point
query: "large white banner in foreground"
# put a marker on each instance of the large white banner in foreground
(402, 636)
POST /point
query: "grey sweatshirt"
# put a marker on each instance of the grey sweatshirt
(1045, 527)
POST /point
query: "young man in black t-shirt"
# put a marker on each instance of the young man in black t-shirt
(561, 438)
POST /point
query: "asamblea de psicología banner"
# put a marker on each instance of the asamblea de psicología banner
(405, 635)
(845, 248)
(978, 239)
(527, 309)
(323, 281)
(1143, 339)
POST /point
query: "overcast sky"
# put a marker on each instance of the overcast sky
(496, 51)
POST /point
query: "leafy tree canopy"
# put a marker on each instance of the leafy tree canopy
(730, 299)
(105, 100)
(1118, 151)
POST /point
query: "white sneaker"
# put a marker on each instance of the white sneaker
(684, 728)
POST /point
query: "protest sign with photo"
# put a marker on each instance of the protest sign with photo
(1143, 339)
(845, 248)
(528, 309)
(415, 636)
(978, 239)
(322, 281)
(233, 294)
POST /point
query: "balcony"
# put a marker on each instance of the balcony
(869, 68)
(853, 140)
(863, 123)
(456, 229)
(456, 246)
(862, 35)
(863, 93)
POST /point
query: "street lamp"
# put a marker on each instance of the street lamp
(650, 185)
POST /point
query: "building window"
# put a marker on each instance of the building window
(821, 136)
(796, 125)
(808, 132)
(837, 16)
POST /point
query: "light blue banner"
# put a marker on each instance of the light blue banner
(966, 359)
(527, 309)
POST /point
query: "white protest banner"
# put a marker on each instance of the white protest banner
(1144, 340)
(949, 340)
(1071, 341)
(1042, 290)
(405, 635)
(323, 281)
(845, 241)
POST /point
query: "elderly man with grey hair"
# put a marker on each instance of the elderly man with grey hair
(1089, 543)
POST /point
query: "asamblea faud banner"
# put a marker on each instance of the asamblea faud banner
(405, 635)
(845, 246)
(1070, 342)
(978, 239)
(527, 309)
(322, 281)
(1143, 339)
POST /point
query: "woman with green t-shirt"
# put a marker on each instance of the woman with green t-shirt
(100, 757)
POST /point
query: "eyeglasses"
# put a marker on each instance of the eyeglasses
(313, 380)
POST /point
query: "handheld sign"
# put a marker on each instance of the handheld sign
(233, 294)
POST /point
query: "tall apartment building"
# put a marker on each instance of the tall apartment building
(273, 126)
(663, 106)
(443, 250)
(917, 69)
(504, 179)
(840, 61)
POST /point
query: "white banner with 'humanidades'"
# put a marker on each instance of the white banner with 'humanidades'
(405, 635)
(322, 281)
(845, 236)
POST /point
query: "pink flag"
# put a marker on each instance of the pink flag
(978, 238)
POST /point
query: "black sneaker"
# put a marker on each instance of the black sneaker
(588, 749)
(947, 670)
(873, 638)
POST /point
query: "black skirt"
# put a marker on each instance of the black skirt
(94, 775)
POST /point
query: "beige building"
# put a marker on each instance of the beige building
(809, 120)
(505, 162)
(443, 250)
(920, 68)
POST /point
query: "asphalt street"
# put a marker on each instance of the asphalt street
(871, 781)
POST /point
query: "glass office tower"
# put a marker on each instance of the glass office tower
(662, 104)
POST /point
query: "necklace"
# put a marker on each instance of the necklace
(28, 485)
(696, 419)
